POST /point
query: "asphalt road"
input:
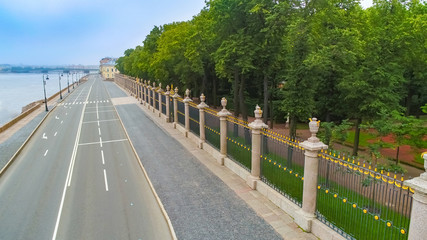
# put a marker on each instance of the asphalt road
(78, 178)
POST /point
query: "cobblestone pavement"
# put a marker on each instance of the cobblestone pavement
(203, 200)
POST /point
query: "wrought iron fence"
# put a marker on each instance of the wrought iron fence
(239, 142)
(361, 203)
(282, 165)
(181, 112)
(212, 128)
(151, 101)
(171, 110)
(163, 104)
(156, 100)
(194, 118)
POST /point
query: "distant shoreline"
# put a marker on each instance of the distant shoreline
(5, 68)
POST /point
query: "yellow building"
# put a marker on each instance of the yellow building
(107, 67)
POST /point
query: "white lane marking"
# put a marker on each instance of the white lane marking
(100, 141)
(110, 120)
(102, 155)
(66, 113)
(62, 122)
(97, 112)
(56, 117)
(105, 179)
(99, 131)
(70, 172)
(98, 123)
(110, 141)
(55, 134)
(44, 136)
(101, 111)
(45, 153)
(79, 96)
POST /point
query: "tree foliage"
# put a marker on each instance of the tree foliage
(328, 58)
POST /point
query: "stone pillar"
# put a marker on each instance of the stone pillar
(223, 130)
(159, 91)
(201, 108)
(154, 96)
(417, 226)
(175, 107)
(256, 126)
(167, 93)
(141, 93)
(145, 93)
(311, 167)
(149, 94)
(186, 101)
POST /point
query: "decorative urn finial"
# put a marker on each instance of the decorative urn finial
(258, 112)
(223, 102)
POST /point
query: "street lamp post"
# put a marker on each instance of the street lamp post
(44, 89)
(72, 78)
(68, 82)
(60, 89)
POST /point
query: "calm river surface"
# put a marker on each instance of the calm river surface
(20, 89)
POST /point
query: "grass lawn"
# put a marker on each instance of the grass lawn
(354, 221)
(364, 138)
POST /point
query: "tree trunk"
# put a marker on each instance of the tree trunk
(204, 82)
(271, 113)
(292, 126)
(408, 103)
(236, 93)
(242, 104)
(266, 96)
(214, 95)
(397, 155)
(356, 137)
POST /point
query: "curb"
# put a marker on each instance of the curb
(165, 215)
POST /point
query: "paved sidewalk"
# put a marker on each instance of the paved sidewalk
(193, 187)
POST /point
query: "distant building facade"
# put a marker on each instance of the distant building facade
(107, 67)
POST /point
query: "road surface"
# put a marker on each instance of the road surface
(78, 178)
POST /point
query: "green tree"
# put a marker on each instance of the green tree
(405, 130)
(375, 85)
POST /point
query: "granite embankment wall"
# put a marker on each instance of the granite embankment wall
(27, 110)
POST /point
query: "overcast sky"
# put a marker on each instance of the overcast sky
(57, 32)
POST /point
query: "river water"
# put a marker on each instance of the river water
(19, 89)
